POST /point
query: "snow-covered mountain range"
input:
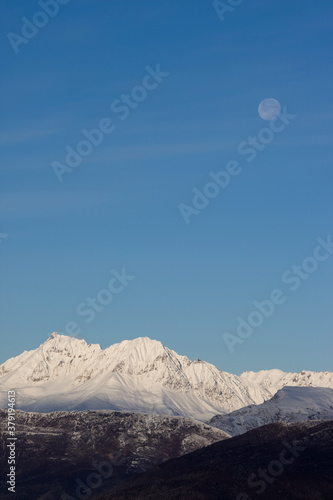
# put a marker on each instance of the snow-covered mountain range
(140, 375)
(290, 404)
(273, 380)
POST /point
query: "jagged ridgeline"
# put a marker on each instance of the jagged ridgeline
(66, 373)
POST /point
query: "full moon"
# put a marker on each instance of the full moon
(269, 109)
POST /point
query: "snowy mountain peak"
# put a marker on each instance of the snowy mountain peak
(302, 397)
(58, 342)
(290, 404)
(141, 374)
(136, 375)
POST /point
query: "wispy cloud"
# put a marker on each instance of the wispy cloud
(24, 135)
(144, 152)
(50, 203)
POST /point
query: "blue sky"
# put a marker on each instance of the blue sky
(120, 206)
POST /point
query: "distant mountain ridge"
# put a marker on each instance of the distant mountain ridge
(273, 380)
(140, 375)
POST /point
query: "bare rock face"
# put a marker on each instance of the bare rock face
(57, 453)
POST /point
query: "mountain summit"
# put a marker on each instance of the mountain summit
(65, 373)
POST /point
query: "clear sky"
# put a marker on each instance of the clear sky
(60, 241)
